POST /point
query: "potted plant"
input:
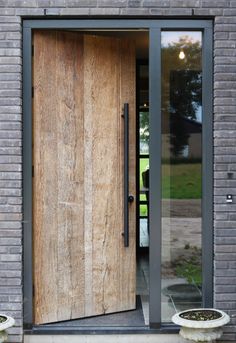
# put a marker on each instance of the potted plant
(201, 325)
(5, 323)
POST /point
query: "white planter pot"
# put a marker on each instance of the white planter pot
(5, 325)
(201, 330)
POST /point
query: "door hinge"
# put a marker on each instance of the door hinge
(32, 171)
(32, 49)
(32, 92)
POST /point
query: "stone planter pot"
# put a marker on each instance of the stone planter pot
(5, 325)
(201, 330)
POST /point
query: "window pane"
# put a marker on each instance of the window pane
(181, 171)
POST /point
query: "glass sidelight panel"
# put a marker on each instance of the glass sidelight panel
(181, 115)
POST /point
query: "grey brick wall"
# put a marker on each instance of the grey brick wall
(11, 11)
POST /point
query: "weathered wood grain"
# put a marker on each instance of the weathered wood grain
(45, 144)
(128, 256)
(81, 267)
(59, 173)
(110, 79)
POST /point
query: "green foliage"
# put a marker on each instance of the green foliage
(185, 84)
(181, 89)
(189, 266)
(191, 272)
(144, 126)
(180, 181)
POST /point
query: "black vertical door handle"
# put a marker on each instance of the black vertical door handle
(127, 197)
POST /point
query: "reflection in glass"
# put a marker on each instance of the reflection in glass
(144, 130)
(181, 171)
(143, 107)
(143, 110)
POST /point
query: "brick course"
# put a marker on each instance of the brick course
(11, 11)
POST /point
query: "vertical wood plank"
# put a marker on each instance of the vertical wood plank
(110, 81)
(44, 136)
(127, 95)
(103, 73)
(58, 182)
(70, 118)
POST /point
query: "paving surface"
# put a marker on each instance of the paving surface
(181, 235)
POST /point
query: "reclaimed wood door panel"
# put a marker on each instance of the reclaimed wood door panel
(81, 267)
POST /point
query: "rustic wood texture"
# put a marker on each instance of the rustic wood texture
(59, 173)
(110, 81)
(81, 267)
(128, 258)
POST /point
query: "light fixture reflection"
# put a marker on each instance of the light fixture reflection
(181, 55)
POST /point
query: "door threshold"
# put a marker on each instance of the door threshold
(95, 330)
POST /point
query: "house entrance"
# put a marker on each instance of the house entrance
(118, 209)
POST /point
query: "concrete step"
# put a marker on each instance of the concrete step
(125, 338)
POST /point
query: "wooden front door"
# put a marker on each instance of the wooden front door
(81, 267)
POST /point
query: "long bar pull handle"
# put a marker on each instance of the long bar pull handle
(126, 174)
(127, 197)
